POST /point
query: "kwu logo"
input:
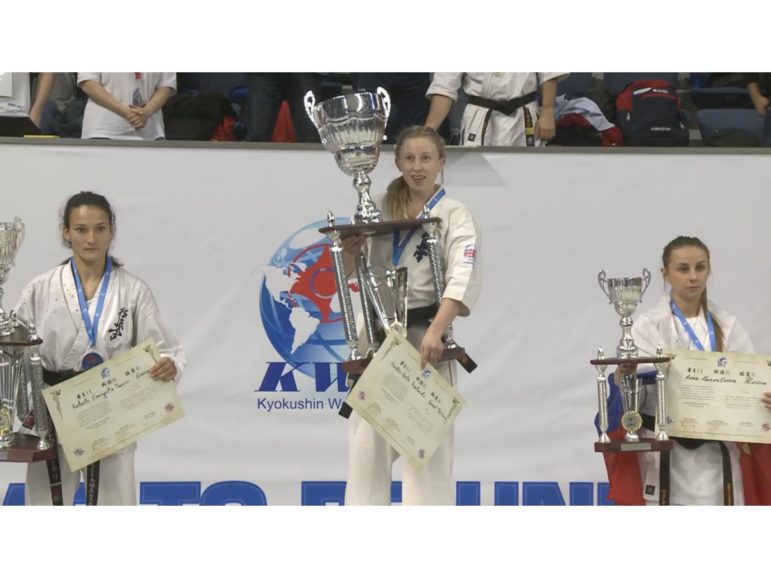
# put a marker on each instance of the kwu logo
(301, 317)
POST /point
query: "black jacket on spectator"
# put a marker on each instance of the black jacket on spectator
(195, 116)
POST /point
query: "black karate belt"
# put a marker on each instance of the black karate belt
(423, 316)
(507, 107)
(55, 475)
(56, 377)
(54, 468)
(529, 129)
(345, 409)
(649, 422)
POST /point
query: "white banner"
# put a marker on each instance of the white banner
(227, 239)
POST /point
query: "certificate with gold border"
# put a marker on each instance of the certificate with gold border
(717, 396)
(412, 408)
(111, 406)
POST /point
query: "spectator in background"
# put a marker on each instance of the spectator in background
(64, 114)
(19, 114)
(407, 91)
(267, 91)
(501, 109)
(759, 87)
(125, 105)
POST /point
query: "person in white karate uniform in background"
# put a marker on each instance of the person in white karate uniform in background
(420, 156)
(87, 310)
(501, 109)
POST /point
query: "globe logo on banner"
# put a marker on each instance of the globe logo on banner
(298, 301)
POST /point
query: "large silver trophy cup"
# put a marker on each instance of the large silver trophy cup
(351, 127)
(15, 337)
(625, 294)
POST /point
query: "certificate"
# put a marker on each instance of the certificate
(716, 396)
(410, 407)
(112, 405)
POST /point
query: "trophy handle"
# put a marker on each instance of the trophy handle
(18, 224)
(647, 280)
(383, 93)
(310, 102)
(602, 280)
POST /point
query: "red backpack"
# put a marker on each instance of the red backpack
(648, 113)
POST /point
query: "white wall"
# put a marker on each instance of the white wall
(201, 224)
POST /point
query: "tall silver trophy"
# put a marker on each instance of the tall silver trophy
(625, 294)
(351, 127)
(16, 339)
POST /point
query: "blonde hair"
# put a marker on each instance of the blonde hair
(398, 193)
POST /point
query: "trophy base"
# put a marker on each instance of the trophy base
(19, 337)
(377, 229)
(642, 445)
(628, 360)
(25, 450)
(356, 367)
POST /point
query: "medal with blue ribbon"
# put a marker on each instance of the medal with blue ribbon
(401, 244)
(687, 326)
(92, 358)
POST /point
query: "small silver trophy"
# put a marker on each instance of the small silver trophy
(625, 294)
(15, 337)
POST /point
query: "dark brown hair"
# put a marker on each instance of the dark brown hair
(87, 199)
(679, 243)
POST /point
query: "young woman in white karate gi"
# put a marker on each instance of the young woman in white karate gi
(420, 156)
(685, 319)
(87, 310)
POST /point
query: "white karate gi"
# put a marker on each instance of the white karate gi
(370, 455)
(129, 317)
(696, 476)
(502, 130)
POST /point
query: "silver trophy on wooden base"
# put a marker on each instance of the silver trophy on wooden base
(351, 127)
(625, 294)
(16, 339)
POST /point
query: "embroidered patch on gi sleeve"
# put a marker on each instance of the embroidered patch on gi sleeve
(470, 255)
(650, 490)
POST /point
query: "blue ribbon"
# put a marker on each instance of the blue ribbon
(687, 326)
(401, 244)
(92, 329)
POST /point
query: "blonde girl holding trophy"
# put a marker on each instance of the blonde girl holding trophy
(420, 157)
